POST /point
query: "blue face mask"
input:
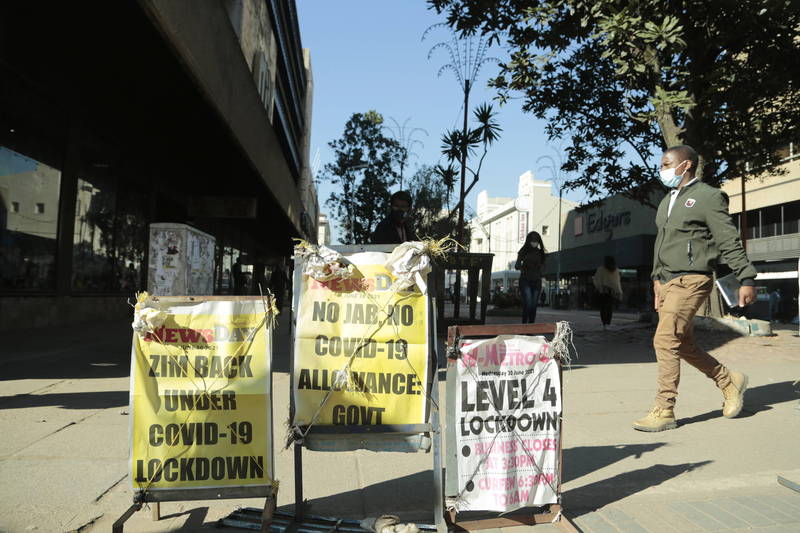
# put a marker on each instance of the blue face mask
(669, 178)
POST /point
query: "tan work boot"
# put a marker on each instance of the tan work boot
(658, 419)
(734, 395)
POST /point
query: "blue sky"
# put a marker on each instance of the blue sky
(369, 54)
(13, 163)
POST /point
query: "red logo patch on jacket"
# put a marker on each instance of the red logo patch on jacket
(690, 202)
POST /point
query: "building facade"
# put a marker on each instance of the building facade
(324, 230)
(121, 114)
(618, 226)
(772, 234)
(502, 225)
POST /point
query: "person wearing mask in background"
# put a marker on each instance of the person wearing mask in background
(694, 231)
(396, 228)
(530, 261)
(606, 281)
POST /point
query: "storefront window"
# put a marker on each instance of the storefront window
(791, 217)
(753, 225)
(231, 271)
(29, 194)
(131, 237)
(92, 265)
(110, 233)
(771, 221)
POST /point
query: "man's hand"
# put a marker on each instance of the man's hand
(656, 293)
(747, 295)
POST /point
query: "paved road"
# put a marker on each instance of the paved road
(64, 420)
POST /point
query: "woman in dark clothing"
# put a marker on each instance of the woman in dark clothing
(607, 282)
(530, 260)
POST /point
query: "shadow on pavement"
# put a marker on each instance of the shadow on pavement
(71, 400)
(99, 350)
(756, 399)
(417, 489)
(409, 497)
(97, 363)
(585, 499)
(583, 460)
(634, 344)
(195, 520)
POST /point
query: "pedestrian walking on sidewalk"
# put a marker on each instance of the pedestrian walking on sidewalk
(694, 232)
(609, 288)
(530, 260)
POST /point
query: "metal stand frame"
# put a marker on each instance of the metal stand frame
(432, 428)
(553, 512)
(140, 498)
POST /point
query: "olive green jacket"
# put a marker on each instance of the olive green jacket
(697, 235)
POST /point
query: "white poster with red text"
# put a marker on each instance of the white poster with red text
(508, 416)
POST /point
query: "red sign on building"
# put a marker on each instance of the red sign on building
(578, 226)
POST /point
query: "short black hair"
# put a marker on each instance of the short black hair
(684, 151)
(401, 195)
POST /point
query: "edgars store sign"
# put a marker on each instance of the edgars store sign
(603, 222)
(618, 217)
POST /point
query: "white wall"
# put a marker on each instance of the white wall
(508, 220)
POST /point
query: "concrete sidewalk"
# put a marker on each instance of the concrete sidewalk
(64, 420)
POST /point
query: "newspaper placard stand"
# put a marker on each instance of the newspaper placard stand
(141, 498)
(362, 434)
(479, 520)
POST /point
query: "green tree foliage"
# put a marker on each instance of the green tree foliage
(458, 147)
(431, 196)
(622, 79)
(363, 172)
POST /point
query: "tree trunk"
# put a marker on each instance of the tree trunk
(670, 131)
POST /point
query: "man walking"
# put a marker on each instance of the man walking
(694, 230)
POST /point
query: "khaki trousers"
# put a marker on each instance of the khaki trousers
(674, 339)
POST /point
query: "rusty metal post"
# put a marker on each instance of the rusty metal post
(269, 510)
(119, 525)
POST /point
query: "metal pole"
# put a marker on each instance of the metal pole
(558, 275)
(457, 301)
(463, 165)
(558, 269)
(743, 218)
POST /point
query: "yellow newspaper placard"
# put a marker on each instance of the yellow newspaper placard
(200, 397)
(361, 349)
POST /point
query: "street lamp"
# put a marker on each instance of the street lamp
(467, 56)
(558, 179)
(406, 141)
